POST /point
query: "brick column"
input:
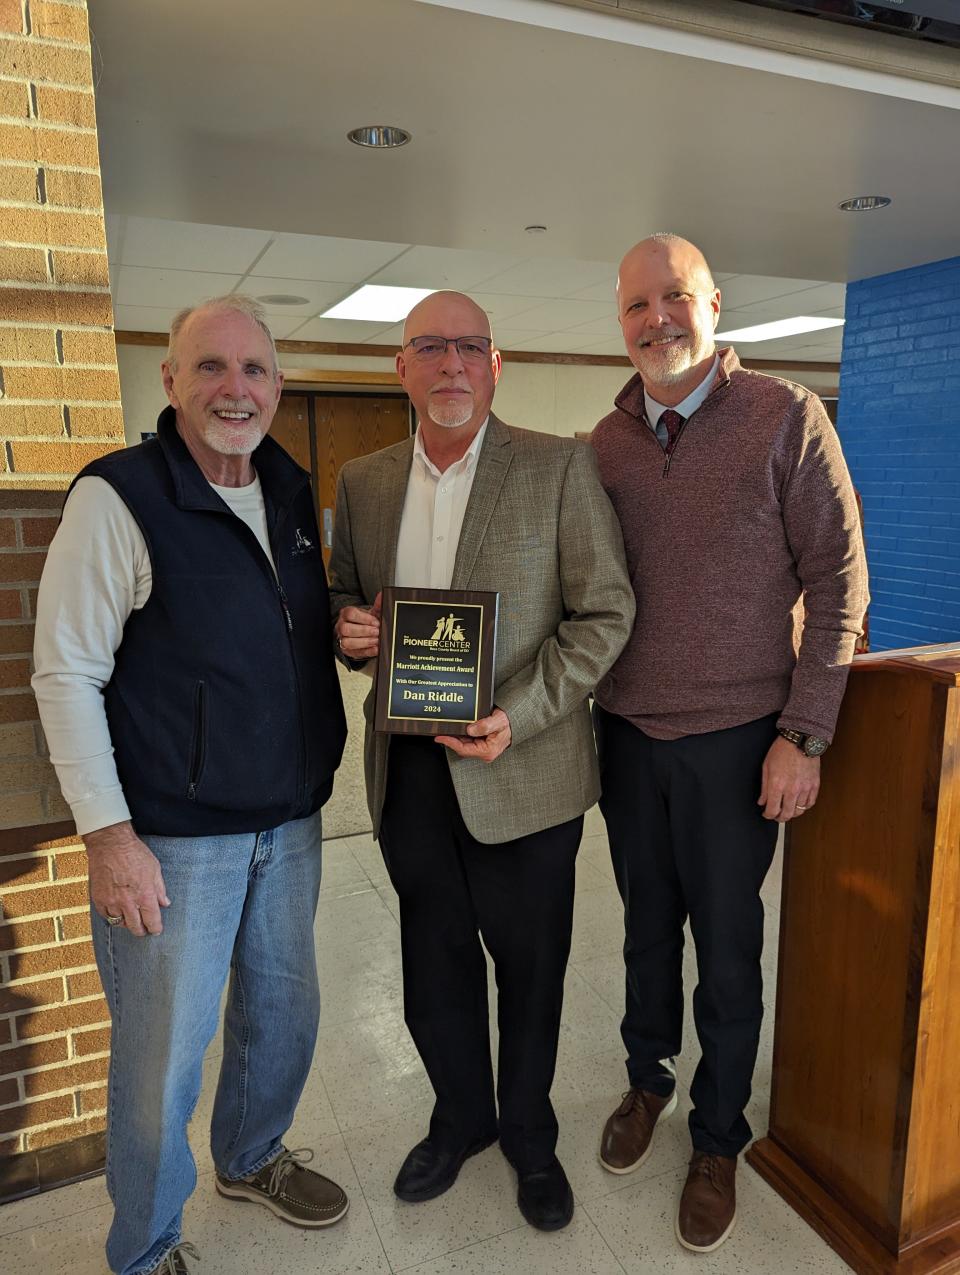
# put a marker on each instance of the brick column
(59, 408)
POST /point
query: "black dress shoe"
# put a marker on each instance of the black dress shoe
(545, 1198)
(431, 1169)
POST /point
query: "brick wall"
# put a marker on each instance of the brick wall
(59, 408)
(899, 420)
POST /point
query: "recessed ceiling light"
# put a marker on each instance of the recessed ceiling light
(384, 136)
(535, 230)
(864, 203)
(283, 298)
(378, 304)
(780, 328)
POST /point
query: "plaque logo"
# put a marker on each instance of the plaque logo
(447, 635)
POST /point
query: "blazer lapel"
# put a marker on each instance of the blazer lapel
(393, 490)
(493, 462)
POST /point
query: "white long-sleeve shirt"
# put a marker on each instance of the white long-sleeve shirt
(96, 574)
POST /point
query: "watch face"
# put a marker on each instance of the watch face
(814, 746)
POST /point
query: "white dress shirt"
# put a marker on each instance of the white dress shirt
(96, 574)
(433, 516)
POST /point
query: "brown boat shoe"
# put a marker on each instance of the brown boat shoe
(290, 1190)
(708, 1205)
(627, 1138)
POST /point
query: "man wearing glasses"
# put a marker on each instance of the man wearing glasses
(480, 834)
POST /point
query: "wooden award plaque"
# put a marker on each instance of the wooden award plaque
(437, 656)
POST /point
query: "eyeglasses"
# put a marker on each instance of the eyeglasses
(430, 349)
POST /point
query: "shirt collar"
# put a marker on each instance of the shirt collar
(689, 405)
(467, 462)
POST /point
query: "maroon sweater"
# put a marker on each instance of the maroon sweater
(753, 509)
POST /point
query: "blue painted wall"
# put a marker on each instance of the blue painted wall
(899, 422)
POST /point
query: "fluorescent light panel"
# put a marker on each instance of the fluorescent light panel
(780, 328)
(377, 303)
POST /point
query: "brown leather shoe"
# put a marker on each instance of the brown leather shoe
(290, 1190)
(708, 1205)
(627, 1137)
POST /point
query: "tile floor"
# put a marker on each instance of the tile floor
(367, 1101)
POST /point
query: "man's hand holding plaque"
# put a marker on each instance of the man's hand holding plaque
(358, 631)
(485, 739)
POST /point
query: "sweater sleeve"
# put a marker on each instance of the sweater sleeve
(823, 529)
(96, 573)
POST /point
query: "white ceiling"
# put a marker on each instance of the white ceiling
(535, 304)
(222, 129)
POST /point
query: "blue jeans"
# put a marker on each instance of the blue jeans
(243, 905)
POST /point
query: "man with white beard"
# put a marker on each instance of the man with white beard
(480, 834)
(189, 696)
(735, 504)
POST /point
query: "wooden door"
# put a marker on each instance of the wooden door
(291, 428)
(323, 431)
(350, 425)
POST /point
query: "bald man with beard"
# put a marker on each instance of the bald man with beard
(480, 835)
(744, 548)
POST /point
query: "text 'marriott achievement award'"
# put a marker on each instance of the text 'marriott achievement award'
(436, 665)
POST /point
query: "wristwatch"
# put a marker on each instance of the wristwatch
(809, 745)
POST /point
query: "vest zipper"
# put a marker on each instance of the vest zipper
(285, 605)
(198, 751)
(302, 767)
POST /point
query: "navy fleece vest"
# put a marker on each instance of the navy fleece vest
(224, 706)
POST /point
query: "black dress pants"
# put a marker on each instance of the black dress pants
(687, 839)
(453, 889)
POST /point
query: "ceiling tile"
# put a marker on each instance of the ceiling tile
(556, 315)
(608, 327)
(138, 318)
(347, 330)
(501, 306)
(283, 326)
(610, 346)
(389, 336)
(319, 296)
(824, 296)
(605, 289)
(115, 225)
(322, 257)
(747, 289)
(550, 343)
(423, 267)
(149, 241)
(136, 285)
(513, 339)
(787, 348)
(549, 277)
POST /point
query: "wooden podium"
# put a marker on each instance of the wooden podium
(864, 1138)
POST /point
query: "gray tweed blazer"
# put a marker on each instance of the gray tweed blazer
(540, 529)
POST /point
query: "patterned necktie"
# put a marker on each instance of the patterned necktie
(672, 422)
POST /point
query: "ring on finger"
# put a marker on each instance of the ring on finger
(113, 920)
